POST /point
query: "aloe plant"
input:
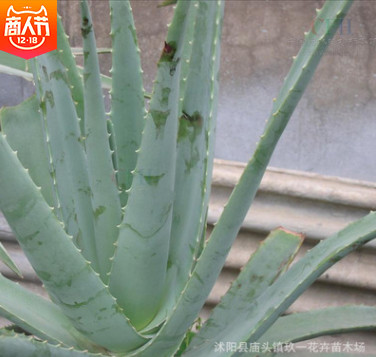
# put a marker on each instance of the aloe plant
(110, 209)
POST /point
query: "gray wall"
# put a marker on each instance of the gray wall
(13, 90)
(333, 130)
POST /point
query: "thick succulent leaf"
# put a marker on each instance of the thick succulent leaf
(265, 309)
(14, 65)
(127, 94)
(24, 130)
(8, 261)
(210, 138)
(196, 124)
(167, 3)
(111, 139)
(106, 80)
(329, 321)
(272, 257)
(79, 51)
(67, 152)
(104, 192)
(69, 279)
(17, 66)
(38, 316)
(12, 61)
(225, 231)
(18, 345)
(186, 54)
(74, 77)
(140, 262)
(15, 72)
(331, 354)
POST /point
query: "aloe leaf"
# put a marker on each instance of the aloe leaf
(67, 152)
(66, 275)
(15, 72)
(193, 154)
(270, 260)
(331, 354)
(266, 308)
(24, 130)
(225, 231)
(167, 3)
(21, 69)
(104, 192)
(111, 139)
(15, 62)
(181, 191)
(106, 80)
(74, 77)
(38, 316)
(7, 260)
(210, 135)
(140, 262)
(79, 51)
(18, 66)
(18, 345)
(14, 65)
(186, 62)
(127, 94)
(329, 321)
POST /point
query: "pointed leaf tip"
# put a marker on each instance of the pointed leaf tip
(7, 260)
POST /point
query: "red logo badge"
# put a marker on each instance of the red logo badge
(28, 28)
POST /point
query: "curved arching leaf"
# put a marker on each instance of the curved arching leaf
(70, 280)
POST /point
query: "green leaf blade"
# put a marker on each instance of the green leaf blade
(329, 321)
(24, 130)
(127, 94)
(214, 254)
(17, 345)
(67, 152)
(194, 154)
(279, 296)
(14, 66)
(67, 276)
(146, 227)
(74, 77)
(38, 316)
(8, 261)
(16, 72)
(272, 257)
(104, 193)
(8, 60)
